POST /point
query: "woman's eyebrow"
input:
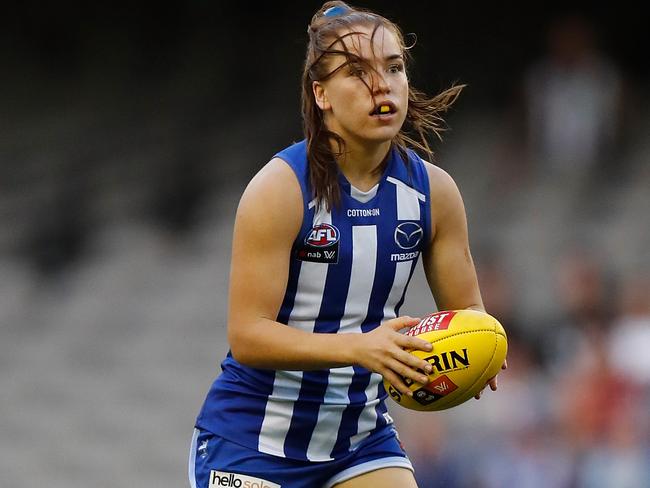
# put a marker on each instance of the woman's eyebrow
(390, 57)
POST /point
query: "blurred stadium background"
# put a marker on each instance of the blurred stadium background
(127, 134)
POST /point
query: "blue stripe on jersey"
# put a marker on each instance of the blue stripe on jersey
(381, 408)
(419, 174)
(290, 293)
(350, 419)
(294, 156)
(305, 414)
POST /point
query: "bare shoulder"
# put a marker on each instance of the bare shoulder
(443, 188)
(273, 197)
(274, 179)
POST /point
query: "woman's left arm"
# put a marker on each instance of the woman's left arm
(448, 263)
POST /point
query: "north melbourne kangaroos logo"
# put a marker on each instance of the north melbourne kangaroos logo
(321, 245)
(408, 235)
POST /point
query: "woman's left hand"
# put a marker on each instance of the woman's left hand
(492, 381)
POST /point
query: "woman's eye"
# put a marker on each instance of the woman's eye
(395, 68)
(357, 71)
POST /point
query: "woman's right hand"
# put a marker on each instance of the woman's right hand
(384, 351)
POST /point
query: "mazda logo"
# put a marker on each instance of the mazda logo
(408, 235)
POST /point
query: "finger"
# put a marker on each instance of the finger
(413, 361)
(505, 364)
(406, 372)
(400, 323)
(493, 384)
(397, 382)
(408, 342)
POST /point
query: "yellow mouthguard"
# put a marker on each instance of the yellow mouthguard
(384, 109)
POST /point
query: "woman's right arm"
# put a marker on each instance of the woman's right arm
(268, 220)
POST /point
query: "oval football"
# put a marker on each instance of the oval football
(469, 348)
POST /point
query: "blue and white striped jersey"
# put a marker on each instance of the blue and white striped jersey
(349, 272)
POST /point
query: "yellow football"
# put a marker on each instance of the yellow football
(469, 348)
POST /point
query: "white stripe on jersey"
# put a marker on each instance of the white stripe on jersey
(309, 295)
(408, 206)
(362, 278)
(191, 470)
(275, 425)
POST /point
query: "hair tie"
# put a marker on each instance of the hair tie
(335, 11)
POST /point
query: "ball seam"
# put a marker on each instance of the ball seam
(494, 351)
(462, 333)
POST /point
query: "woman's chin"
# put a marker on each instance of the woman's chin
(385, 134)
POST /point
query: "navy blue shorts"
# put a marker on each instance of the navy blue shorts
(217, 462)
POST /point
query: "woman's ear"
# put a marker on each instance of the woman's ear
(320, 95)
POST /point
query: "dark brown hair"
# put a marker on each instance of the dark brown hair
(424, 114)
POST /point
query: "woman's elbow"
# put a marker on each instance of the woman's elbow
(241, 348)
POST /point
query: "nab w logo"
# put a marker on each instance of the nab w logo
(322, 235)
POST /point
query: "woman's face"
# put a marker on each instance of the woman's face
(350, 109)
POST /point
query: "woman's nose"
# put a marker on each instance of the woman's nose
(379, 84)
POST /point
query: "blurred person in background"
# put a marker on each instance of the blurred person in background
(596, 396)
(573, 101)
(630, 334)
(581, 292)
(623, 459)
(604, 418)
(326, 238)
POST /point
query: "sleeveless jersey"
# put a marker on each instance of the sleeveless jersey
(349, 271)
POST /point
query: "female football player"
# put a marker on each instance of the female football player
(326, 238)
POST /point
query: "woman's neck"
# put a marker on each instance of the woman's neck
(360, 164)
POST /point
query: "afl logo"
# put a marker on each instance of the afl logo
(322, 235)
(408, 235)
